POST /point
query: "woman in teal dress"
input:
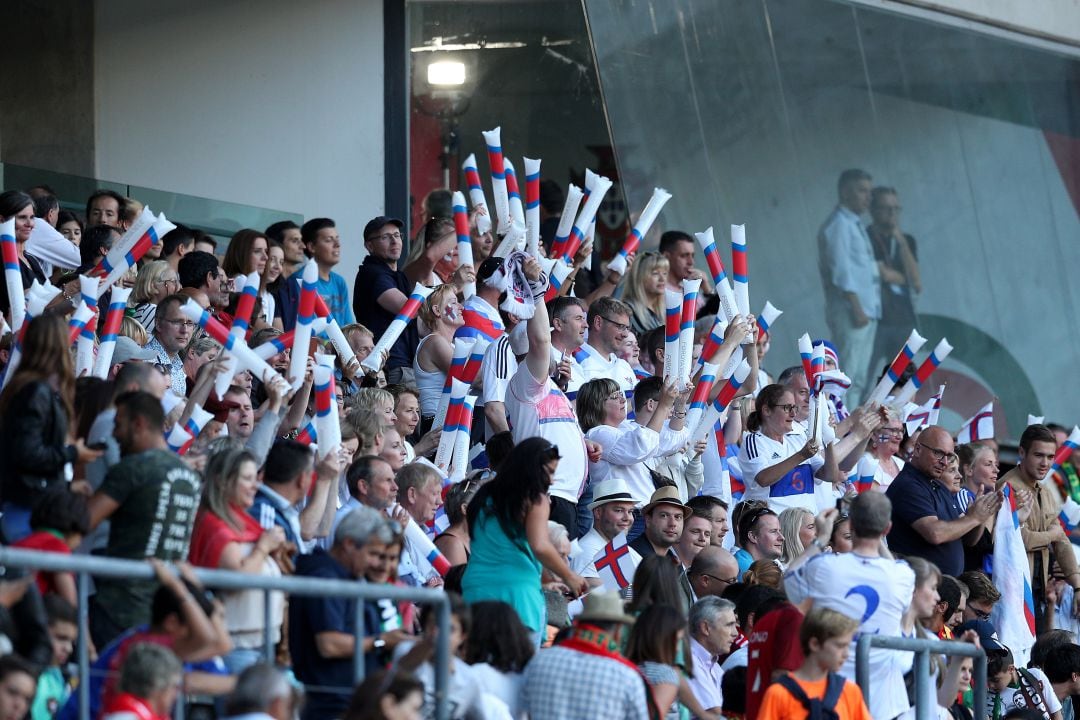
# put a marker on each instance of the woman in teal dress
(510, 543)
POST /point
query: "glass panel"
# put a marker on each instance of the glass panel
(527, 68)
(215, 217)
(749, 112)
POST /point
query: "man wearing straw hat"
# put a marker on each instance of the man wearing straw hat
(585, 674)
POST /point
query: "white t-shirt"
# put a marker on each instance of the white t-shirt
(585, 549)
(496, 369)
(875, 590)
(577, 375)
(594, 365)
(626, 448)
(796, 488)
(537, 408)
(504, 686)
(1011, 697)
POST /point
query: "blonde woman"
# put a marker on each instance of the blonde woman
(644, 292)
(799, 529)
(155, 281)
(441, 314)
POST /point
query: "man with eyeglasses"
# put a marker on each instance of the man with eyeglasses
(1044, 537)
(172, 330)
(926, 521)
(896, 255)
(381, 290)
(608, 325)
(713, 570)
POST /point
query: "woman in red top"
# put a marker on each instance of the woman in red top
(226, 537)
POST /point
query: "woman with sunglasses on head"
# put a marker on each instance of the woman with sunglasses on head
(778, 462)
(884, 446)
(644, 292)
(507, 522)
(442, 315)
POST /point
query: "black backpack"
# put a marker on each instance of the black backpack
(818, 708)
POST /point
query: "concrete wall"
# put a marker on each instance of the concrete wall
(46, 116)
(263, 102)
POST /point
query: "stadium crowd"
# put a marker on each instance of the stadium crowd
(606, 553)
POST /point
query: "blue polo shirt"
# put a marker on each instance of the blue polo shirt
(309, 616)
(915, 495)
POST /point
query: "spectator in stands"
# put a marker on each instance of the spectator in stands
(387, 695)
(172, 331)
(286, 482)
(536, 407)
(288, 234)
(1062, 669)
(203, 281)
(1044, 537)
(665, 515)
(59, 521)
(654, 645)
(713, 571)
(36, 414)
(263, 693)
(678, 247)
(150, 498)
(323, 244)
(226, 537)
(797, 525)
(105, 207)
(949, 601)
(926, 521)
(896, 255)
(626, 445)
(247, 253)
(644, 292)
(609, 324)
(982, 595)
(612, 511)
(763, 572)
(568, 326)
(205, 243)
(156, 281)
(18, 683)
(321, 629)
(760, 537)
(420, 494)
(441, 314)
(884, 446)
(866, 583)
(52, 687)
(585, 675)
(371, 482)
(715, 508)
(380, 292)
(269, 280)
(510, 541)
(433, 256)
(149, 685)
(697, 529)
(656, 581)
(772, 648)
(850, 278)
(18, 206)
(376, 401)
(684, 467)
(497, 651)
(826, 637)
(454, 542)
(712, 631)
(70, 226)
(1010, 687)
(177, 243)
(777, 463)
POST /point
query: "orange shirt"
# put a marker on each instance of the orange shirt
(779, 704)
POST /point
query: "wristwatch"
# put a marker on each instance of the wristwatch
(378, 644)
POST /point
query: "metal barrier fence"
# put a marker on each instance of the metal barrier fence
(922, 647)
(83, 566)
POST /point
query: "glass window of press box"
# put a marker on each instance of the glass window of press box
(749, 111)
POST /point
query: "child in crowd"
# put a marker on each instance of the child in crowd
(826, 641)
(1009, 687)
(52, 686)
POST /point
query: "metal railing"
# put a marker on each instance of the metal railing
(83, 566)
(922, 647)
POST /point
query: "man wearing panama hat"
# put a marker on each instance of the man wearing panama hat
(613, 513)
(664, 517)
